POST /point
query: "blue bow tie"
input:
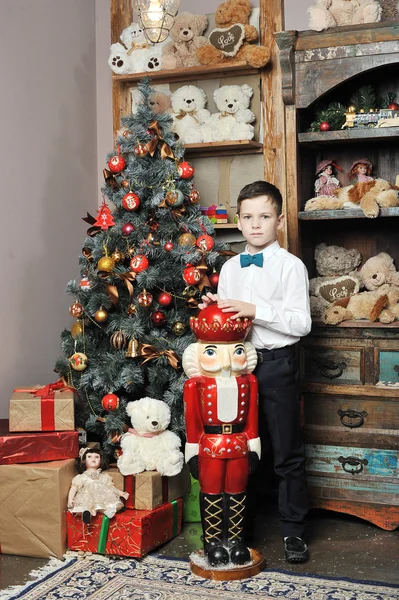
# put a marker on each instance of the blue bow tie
(251, 259)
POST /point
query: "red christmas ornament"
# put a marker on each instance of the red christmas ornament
(214, 279)
(140, 150)
(393, 106)
(164, 299)
(139, 263)
(324, 126)
(76, 309)
(205, 242)
(84, 283)
(194, 197)
(127, 228)
(185, 170)
(191, 275)
(110, 402)
(144, 298)
(117, 163)
(104, 217)
(130, 201)
(169, 246)
(158, 318)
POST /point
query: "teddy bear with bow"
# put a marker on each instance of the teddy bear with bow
(233, 120)
(148, 445)
(187, 37)
(330, 13)
(230, 41)
(190, 115)
(135, 54)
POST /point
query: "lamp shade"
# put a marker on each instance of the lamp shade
(157, 17)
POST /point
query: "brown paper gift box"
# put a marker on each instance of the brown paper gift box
(33, 501)
(27, 411)
(149, 490)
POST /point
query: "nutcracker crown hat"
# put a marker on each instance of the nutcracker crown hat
(362, 161)
(213, 325)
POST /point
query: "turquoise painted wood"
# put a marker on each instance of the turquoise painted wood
(357, 462)
(375, 489)
(389, 367)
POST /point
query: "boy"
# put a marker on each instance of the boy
(270, 285)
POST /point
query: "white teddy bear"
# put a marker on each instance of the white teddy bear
(136, 54)
(330, 13)
(149, 446)
(233, 120)
(190, 114)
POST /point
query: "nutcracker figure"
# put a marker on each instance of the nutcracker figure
(221, 414)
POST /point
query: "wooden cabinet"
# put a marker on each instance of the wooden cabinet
(349, 373)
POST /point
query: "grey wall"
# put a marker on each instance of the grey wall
(48, 164)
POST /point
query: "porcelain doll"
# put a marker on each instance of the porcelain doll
(92, 490)
(360, 171)
(326, 183)
(221, 414)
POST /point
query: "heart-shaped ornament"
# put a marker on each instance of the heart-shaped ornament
(229, 40)
(337, 288)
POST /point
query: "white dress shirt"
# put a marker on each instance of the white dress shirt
(280, 292)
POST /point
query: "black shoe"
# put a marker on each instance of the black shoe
(86, 516)
(296, 551)
(217, 555)
(239, 554)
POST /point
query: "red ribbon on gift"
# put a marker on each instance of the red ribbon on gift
(130, 487)
(47, 410)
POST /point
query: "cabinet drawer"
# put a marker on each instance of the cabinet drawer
(359, 462)
(388, 366)
(351, 412)
(332, 365)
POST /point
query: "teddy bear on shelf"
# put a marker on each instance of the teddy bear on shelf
(330, 13)
(337, 276)
(149, 445)
(187, 37)
(368, 196)
(233, 120)
(160, 103)
(371, 306)
(136, 54)
(379, 273)
(190, 115)
(229, 42)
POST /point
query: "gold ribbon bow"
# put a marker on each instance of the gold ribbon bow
(183, 113)
(166, 150)
(110, 179)
(112, 291)
(150, 352)
(92, 231)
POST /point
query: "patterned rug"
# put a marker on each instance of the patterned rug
(158, 578)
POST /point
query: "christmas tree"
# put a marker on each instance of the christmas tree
(143, 267)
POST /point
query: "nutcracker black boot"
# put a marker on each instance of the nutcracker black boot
(211, 506)
(235, 505)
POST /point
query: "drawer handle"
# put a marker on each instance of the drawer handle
(332, 369)
(352, 461)
(352, 418)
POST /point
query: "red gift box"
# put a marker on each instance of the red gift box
(36, 447)
(129, 533)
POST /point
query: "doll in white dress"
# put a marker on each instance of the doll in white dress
(92, 490)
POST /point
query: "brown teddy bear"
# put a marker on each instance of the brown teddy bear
(160, 103)
(370, 196)
(229, 42)
(187, 37)
(371, 306)
(379, 273)
(338, 278)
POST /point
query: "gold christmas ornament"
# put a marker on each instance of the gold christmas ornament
(178, 328)
(78, 361)
(144, 298)
(118, 340)
(125, 183)
(352, 108)
(133, 349)
(77, 329)
(117, 256)
(106, 263)
(186, 240)
(131, 309)
(76, 309)
(101, 315)
(130, 252)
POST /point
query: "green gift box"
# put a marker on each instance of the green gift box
(191, 506)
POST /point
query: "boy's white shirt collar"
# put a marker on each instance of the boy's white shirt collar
(267, 252)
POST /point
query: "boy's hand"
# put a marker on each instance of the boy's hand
(206, 300)
(243, 309)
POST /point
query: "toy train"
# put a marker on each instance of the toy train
(383, 117)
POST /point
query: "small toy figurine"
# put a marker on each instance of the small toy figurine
(326, 183)
(92, 490)
(360, 171)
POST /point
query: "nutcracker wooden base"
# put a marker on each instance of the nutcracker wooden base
(250, 570)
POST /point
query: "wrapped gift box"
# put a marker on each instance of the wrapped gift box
(50, 408)
(129, 533)
(149, 489)
(33, 500)
(36, 447)
(191, 510)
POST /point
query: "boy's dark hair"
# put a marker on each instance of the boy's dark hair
(81, 461)
(261, 188)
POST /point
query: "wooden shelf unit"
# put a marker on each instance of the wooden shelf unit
(345, 213)
(230, 148)
(356, 136)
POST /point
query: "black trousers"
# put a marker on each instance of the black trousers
(279, 423)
